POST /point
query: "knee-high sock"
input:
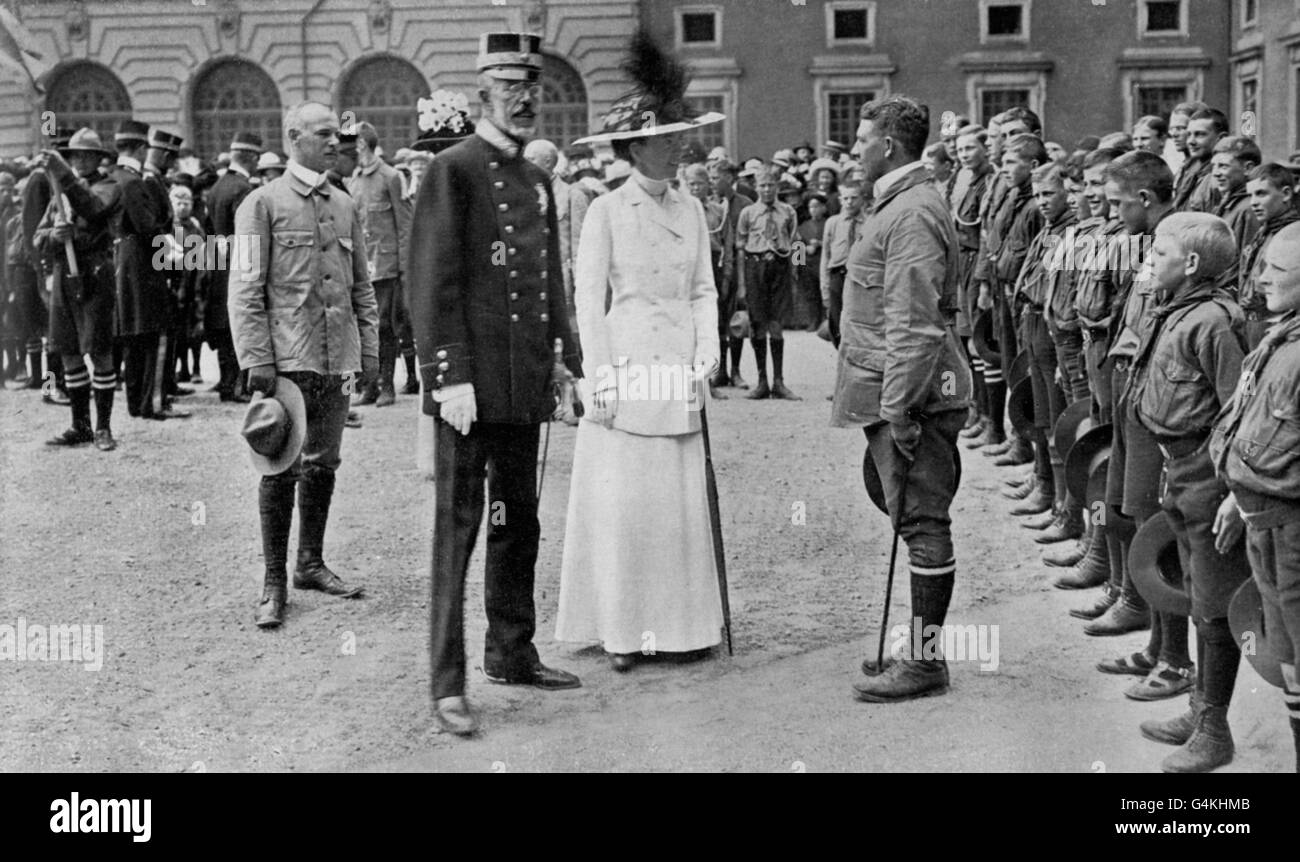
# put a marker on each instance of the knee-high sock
(980, 392)
(1222, 657)
(1155, 642)
(778, 358)
(1173, 646)
(737, 346)
(78, 381)
(760, 355)
(1042, 460)
(996, 388)
(931, 595)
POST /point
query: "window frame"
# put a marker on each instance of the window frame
(1248, 21)
(1144, 33)
(1192, 78)
(1033, 80)
(833, 6)
(1026, 9)
(679, 25)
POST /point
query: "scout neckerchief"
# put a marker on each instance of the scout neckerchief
(1210, 289)
(1285, 330)
(1250, 256)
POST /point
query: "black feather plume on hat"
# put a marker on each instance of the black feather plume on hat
(661, 80)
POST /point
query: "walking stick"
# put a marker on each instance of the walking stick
(715, 521)
(897, 520)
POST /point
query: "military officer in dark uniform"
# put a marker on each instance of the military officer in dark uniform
(223, 199)
(81, 308)
(143, 212)
(487, 302)
(1256, 450)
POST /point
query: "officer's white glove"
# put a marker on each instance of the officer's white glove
(460, 411)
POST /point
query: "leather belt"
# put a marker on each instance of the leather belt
(1265, 513)
(1181, 447)
(838, 270)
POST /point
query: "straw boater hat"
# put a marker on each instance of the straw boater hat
(657, 103)
(444, 121)
(275, 428)
(270, 161)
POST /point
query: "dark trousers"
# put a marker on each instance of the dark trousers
(1049, 402)
(1100, 372)
(1004, 327)
(1192, 497)
(223, 343)
(769, 291)
(506, 457)
(932, 481)
(327, 410)
(1071, 362)
(388, 295)
(835, 279)
(1133, 475)
(1273, 547)
(140, 363)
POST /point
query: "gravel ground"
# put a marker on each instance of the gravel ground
(158, 543)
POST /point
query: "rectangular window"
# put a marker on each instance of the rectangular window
(1158, 100)
(850, 23)
(1005, 20)
(1249, 13)
(842, 115)
(1162, 18)
(713, 135)
(699, 27)
(995, 101)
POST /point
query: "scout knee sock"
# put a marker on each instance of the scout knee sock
(1042, 460)
(980, 392)
(1173, 646)
(778, 358)
(997, 405)
(1222, 657)
(104, 384)
(760, 355)
(931, 594)
(275, 505)
(737, 345)
(1156, 641)
(79, 394)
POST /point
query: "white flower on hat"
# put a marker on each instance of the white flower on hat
(443, 110)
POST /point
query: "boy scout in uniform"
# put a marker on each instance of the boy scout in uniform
(1272, 203)
(765, 234)
(1234, 157)
(1256, 450)
(1195, 190)
(1185, 370)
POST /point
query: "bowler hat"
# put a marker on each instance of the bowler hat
(275, 428)
(1073, 421)
(1246, 619)
(1083, 456)
(986, 342)
(1155, 569)
(85, 141)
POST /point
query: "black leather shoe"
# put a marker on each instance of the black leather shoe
(539, 676)
(168, 413)
(1022, 489)
(1061, 530)
(270, 610)
(56, 397)
(72, 437)
(1014, 457)
(315, 575)
(720, 380)
(1036, 503)
(353, 420)
(412, 387)
(737, 381)
(1069, 556)
(104, 441)
(622, 661)
(235, 398)
(455, 715)
(1039, 522)
(760, 391)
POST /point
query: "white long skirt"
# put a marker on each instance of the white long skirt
(638, 573)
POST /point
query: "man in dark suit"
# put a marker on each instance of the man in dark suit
(487, 302)
(223, 199)
(143, 212)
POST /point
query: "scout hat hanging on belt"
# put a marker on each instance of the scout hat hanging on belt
(657, 104)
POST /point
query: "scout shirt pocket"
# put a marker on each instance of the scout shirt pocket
(1275, 446)
(860, 376)
(1179, 389)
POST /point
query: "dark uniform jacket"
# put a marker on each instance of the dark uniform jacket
(1250, 297)
(1015, 227)
(485, 284)
(1041, 268)
(1195, 190)
(1066, 269)
(1235, 210)
(899, 357)
(386, 217)
(223, 200)
(142, 212)
(1256, 439)
(995, 194)
(1188, 363)
(1095, 288)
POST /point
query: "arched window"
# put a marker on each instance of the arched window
(235, 96)
(87, 94)
(563, 114)
(383, 92)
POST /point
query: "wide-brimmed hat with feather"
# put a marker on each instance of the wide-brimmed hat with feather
(657, 105)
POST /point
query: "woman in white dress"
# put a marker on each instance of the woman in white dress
(638, 572)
